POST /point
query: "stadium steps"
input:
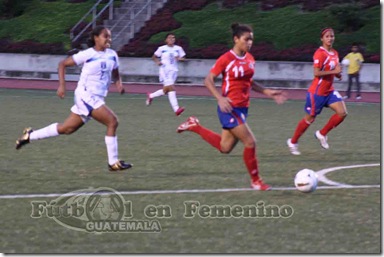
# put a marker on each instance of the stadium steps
(129, 18)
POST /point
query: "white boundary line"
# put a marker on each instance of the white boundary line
(321, 175)
(183, 191)
(324, 179)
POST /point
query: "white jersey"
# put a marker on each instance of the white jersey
(97, 69)
(168, 56)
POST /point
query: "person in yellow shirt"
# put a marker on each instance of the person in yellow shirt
(355, 60)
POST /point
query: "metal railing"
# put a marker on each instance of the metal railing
(95, 16)
(132, 18)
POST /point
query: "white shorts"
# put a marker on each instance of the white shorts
(85, 103)
(168, 77)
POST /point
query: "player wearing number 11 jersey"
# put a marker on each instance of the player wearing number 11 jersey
(321, 93)
(237, 68)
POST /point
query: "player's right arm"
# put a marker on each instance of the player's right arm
(156, 60)
(156, 57)
(317, 72)
(62, 65)
(319, 60)
(209, 82)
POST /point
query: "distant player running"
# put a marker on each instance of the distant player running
(99, 64)
(237, 68)
(169, 54)
(321, 93)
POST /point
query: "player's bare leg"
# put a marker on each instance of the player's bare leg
(107, 117)
(70, 125)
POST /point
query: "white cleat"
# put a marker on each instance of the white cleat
(322, 139)
(293, 148)
(191, 122)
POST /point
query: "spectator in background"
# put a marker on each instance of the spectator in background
(354, 60)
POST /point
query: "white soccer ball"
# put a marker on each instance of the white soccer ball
(306, 181)
(345, 62)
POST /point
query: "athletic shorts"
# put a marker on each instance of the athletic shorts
(315, 103)
(167, 77)
(85, 103)
(232, 119)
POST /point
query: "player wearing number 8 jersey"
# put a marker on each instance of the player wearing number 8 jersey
(100, 65)
(321, 93)
(167, 57)
(237, 68)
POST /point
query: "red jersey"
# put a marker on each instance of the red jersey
(237, 74)
(325, 61)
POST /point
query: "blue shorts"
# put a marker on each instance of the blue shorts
(232, 119)
(315, 103)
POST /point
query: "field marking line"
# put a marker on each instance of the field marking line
(325, 180)
(183, 191)
(320, 173)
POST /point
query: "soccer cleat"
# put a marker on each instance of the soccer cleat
(293, 148)
(149, 100)
(119, 165)
(179, 111)
(358, 98)
(24, 139)
(191, 122)
(322, 139)
(260, 185)
(345, 97)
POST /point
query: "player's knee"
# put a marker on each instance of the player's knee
(250, 144)
(343, 114)
(114, 123)
(310, 119)
(226, 149)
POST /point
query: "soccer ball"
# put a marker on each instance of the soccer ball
(306, 181)
(345, 62)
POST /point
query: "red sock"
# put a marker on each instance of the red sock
(249, 156)
(300, 129)
(333, 122)
(209, 136)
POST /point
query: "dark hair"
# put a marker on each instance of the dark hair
(355, 44)
(240, 29)
(95, 32)
(168, 34)
(324, 30)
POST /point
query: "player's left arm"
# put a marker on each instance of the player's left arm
(361, 60)
(118, 83)
(278, 95)
(181, 56)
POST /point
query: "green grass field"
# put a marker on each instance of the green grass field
(326, 221)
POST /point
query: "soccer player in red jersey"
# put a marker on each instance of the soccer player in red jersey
(321, 93)
(237, 68)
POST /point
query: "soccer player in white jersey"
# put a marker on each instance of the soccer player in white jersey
(167, 57)
(100, 65)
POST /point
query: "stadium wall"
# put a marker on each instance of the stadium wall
(191, 72)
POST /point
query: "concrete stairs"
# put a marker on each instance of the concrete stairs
(129, 18)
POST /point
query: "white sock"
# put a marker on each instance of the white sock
(112, 149)
(158, 93)
(173, 100)
(48, 131)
